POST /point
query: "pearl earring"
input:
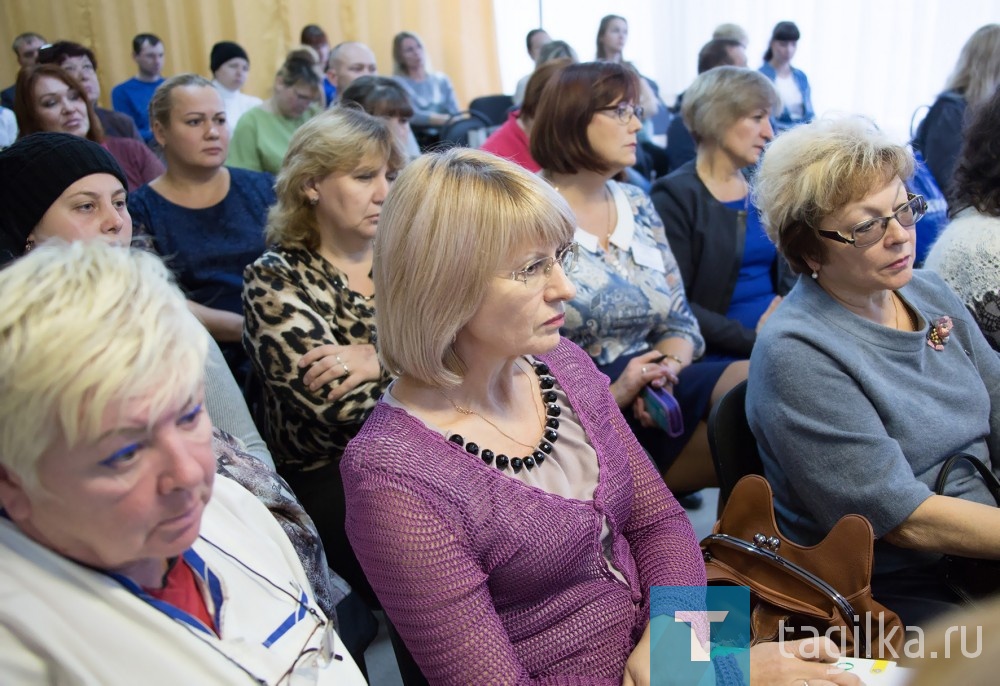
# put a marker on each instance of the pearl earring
(815, 274)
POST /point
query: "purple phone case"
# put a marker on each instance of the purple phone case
(664, 410)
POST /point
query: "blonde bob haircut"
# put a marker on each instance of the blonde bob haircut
(452, 223)
(85, 326)
(720, 97)
(340, 139)
(813, 171)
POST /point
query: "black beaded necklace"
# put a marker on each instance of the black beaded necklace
(549, 436)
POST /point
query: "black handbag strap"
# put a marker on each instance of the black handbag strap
(992, 483)
(801, 573)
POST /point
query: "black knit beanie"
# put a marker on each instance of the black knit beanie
(225, 51)
(34, 172)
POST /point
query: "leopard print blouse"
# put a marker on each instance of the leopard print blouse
(294, 301)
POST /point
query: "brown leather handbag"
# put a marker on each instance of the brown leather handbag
(798, 591)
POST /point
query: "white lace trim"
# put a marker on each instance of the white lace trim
(967, 255)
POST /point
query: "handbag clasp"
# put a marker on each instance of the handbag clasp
(771, 543)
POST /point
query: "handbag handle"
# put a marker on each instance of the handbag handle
(804, 575)
(992, 483)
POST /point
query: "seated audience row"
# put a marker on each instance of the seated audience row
(453, 444)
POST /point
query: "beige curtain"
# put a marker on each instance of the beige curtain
(459, 35)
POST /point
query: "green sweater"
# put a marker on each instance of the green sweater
(261, 139)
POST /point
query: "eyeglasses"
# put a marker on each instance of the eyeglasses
(624, 111)
(871, 231)
(539, 271)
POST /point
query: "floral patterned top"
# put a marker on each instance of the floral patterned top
(631, 297)
(294, 301)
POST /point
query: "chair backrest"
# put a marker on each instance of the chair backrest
(465, 129)
(493, 108)
(733, 446)
(408, 670)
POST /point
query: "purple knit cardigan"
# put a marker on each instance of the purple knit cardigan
(489, 580)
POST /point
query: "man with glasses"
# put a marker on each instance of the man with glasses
(26, 48)
(80, 63)
(132, 97)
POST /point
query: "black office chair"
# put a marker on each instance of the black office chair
(408, 669)
(493, 108)
(733, 446)
(464, 130)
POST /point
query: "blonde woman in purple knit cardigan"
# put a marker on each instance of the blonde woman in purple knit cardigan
(504, 514)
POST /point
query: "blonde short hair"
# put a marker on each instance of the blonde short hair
(451, 222)
(812, 171)
(337, 140)
(719, 97)
(84, 325)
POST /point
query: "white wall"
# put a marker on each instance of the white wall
(881, 58)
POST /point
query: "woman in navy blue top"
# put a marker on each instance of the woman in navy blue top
(732, 275)
(206, 220)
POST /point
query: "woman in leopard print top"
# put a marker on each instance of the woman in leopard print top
(309, 310)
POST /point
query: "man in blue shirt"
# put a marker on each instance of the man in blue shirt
(132, 97)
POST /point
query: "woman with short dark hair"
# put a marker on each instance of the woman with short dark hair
(791, 83)
(630, 312)
(383, 97)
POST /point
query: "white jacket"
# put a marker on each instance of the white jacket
(62, 623)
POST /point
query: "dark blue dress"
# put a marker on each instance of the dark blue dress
(208, 248)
